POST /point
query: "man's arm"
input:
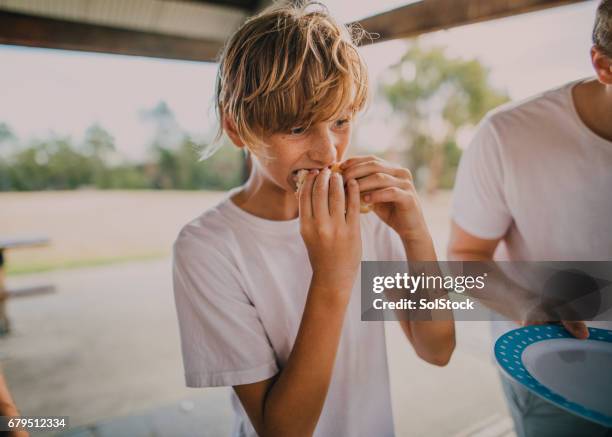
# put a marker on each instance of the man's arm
(291, 402)
(509, 299)
(466, 247)
(433, 341)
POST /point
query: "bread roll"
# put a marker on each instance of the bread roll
(301, 177)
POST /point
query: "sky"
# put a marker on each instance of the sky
(45, 92)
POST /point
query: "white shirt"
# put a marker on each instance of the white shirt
(537, 176)
(240, 285)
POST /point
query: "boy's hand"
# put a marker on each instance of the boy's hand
(391, 192)
(332, 236)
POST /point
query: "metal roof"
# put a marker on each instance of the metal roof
(195, 19)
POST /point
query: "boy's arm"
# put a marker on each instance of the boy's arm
(433, 341)
(291, 402)
(391, 191)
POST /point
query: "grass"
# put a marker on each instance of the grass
(45, 266)
(98, 227)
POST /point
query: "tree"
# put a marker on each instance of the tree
(175, 157)
(98, 142)
(55, 163)
(99, 147)
(436, 96)
(167, 131)
(7, 140)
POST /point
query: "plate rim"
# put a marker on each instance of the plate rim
(514, 368)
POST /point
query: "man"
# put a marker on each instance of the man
(536, 185)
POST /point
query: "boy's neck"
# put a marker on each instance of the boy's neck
(261, 198)
(593, 102)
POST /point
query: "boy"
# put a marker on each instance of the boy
(537, 179)
(265, 282)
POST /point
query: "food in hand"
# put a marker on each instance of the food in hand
(301, 177)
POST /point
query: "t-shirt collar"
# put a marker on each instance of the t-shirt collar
(233, 212)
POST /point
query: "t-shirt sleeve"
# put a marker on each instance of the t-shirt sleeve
(479, 205)
(223, 341)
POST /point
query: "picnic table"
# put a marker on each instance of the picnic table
(8, 293)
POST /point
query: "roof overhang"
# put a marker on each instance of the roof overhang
(196, 30)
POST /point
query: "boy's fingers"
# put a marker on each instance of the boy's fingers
(305, 195)
(577, 329)
(378, 181)
(356, 160)
(336, 196)
(352, 210)
(367, 168)
(389, 194)
(320, 194)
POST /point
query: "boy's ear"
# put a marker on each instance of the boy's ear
(230, 128)
(602, 64)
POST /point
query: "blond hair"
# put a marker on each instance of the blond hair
(289, 66)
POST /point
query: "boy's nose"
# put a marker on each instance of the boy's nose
(323, 151)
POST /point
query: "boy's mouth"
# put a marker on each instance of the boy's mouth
(294, 174)
(294, 177)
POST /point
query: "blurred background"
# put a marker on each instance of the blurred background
(105, 106)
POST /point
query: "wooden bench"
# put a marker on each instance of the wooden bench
(9, 293)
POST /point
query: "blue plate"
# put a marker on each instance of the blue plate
(575, 375)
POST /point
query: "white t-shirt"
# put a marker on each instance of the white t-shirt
(240, 285)
(537, 176)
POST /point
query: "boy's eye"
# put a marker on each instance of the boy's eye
(297, 130)
(342, 122)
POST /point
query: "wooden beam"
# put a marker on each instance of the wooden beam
(431, 15)
(244, 5)
(33, 31)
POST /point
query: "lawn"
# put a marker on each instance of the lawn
(93, 227)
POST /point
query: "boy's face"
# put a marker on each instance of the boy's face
(317, 146)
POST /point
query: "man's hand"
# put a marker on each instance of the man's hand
(577, 329)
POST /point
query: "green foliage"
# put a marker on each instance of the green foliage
(181, 169)
(54, 164)
(58, 164)
(435, 96)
